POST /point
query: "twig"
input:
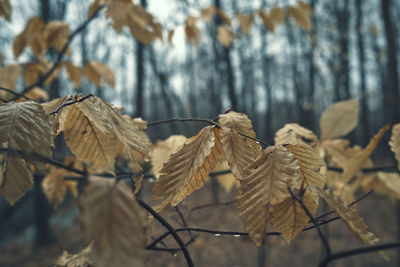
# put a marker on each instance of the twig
(170, 229)
(5, 101)
(212, 205)
(62, 52)
(70, 103)
(356, 251)
(182, 120)
(312, 219)
(14, 93)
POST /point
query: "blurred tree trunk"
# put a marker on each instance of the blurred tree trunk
(392, 86)
(363, 84)
(140, 72)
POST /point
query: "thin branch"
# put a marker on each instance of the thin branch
(70, 103)
(212, 205)
(254, 139)
(5, 101)
(183, 120)
(170, 229)
(390, 168)
(43, 79)
(312, 219)
(356, 251)
(14, 93)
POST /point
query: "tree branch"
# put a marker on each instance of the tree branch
(183, 120)
(70, 103)
(14, 93)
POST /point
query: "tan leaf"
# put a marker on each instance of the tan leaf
(56, 34)
(74, 73)
(386, 183)
(54, 74)
(226, 180)
(188, 167)
(111, 216)
(339, 119)
(55, 187)
(357, 161)
(87, 137)
(95, 6)
(95, 70)
(294, 134)
(82, 259)
(192, 31)
(223, 16)
(240, 123)
(395, 142)
(9, 76)
(306, 7)
(32, 73)
(207, 13)
(23, 126)
(37, 94)
(245, 22)
(312, 167)
(33, 36)
(170, 36)
(289, 218)
(277, 15)
(349, 217)
(266, 183)
(300, 16)
(238, 151)
(226, 35)
(267, 20)
(338, 151)
(5, 9)
(162, 151)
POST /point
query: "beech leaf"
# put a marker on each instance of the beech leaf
(294, 134)
(395, 142)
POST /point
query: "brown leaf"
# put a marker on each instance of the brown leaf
(294, 134)
(223, 16)
(74, 73)
(207, 13)
(289, 218)
(226, 35)
(395, 142)
(56, 34)
(245, 22)
(95, 70)
(267, 20)
(277, 15)
(8, 77)
(112, 218)
(300, 16)
(162, 151)
(37, 94)
(386, 183)
(356, 162)
(192, 31)
(82, 259)
(23, 126)
(33, 36)
(188, 167)
(32, 73)
(94, 7)
(265, 184)
(339, 119)
(5, 9)
(350, 217)
(306, 7)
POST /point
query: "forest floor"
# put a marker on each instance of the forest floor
(210, 250)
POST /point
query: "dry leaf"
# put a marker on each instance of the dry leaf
(267, 20)
(162, 150)
(207, 13)
(395, 142)
(386, 183)
(95, 6)
(312, 167)
(245, 22)
(95, 70)
(8, 77)
(306, 7)
(226, 180)
(74, 73)
(294, 134)
(33, 36)
(37, 94)
(266, 183)
(277, 15)
(192, 31)
(23, 126)
(32, 73)
(188, 167)
(301, 17)
(223, 16)
(339, 119)
(357, 161)
(349, 217)
(82, 259)
(111, 216)
(226, 35)
(289, 218)
(5, 9)
(56, 34)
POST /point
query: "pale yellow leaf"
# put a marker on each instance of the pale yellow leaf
(226, 180)
(8, 77)
(338, 151)
(300, 16)
(188, 167)
(245, 22)
(289, 218)
(74, 73)
(192, 31)
(312, 167)
(207, 13)
(350, 217)
(266, 183)
(111, 216)
(162, 150)
(294, 134)
(81, 259)
(5, 9)
(357, 161)
(339, 119)
(95, 71)
(395, 142)
(23, 126)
